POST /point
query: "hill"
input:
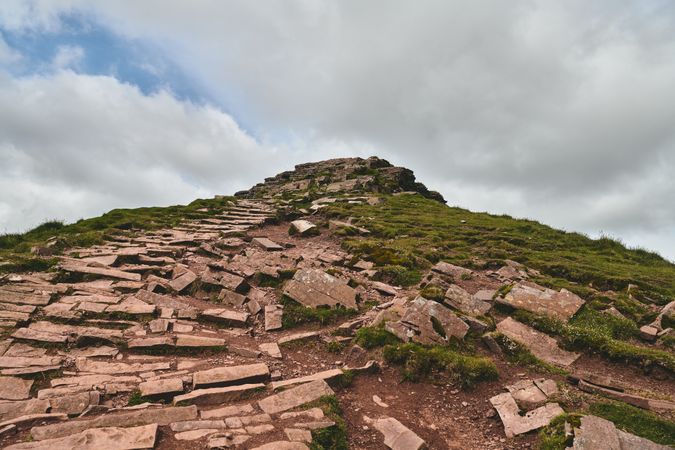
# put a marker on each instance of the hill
(331, 272)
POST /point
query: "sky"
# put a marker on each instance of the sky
(562, 112)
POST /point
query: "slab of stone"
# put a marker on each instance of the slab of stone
(226, 316)
(231, 375)
(295, 397)
(314, 288)
(298, 435)
(546, 302)
(302, 227)
(282, 445)
(215, 396)
(159, 416)
(158, 325)
(106, 272)
(23, 298)
(150, 343)
(198, 425)
(424, 319)
(397, 436)
(109, 438)
(186, 340)
(451, 270)
(272, 349)
(231, 298)
(514, 423)
(631, 399)
(184, 281)
(267, 244)
(273, 317)
(326, 375)
(24, 361)
(649, 333)
(461, 300)
(102, 367)
(12, 388)
(219, 442)
(132, 305)
(74, 404)
(526, 394)
(224, 279)
(541, 345)
(193, 435)
(596, 433)
(161, 388)
(297, 337)
(227, 411)
(14, 409)
(383, 288)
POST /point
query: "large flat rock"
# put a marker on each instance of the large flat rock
(12, 388)
(295, 397)
(428, 322)
(231, 375)
(274, 315)
(514, 423)
(226, 317)
(102, 271)
(12, 410)
(326, 375)
(108, 438)
(461, 300)
(541, 345)
(397, 436)
(314, 288)
(546, 302)
(159, 416)
(217, 396)
(596, 433)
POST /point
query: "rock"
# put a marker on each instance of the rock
(272, 349)
(293, 338)
(461, 300)
(649, 333)
(158, 325)
(514, 423)
(526, 394)
(193, 435)
(183, 281)
(224, 280)
(12, 410)
(191, 425)
(378, 401)
(132, 305)
(161, 388)
(151, 343)
(227, 441)
(231, 298)
(383, 288)
(214, 396)
(227, 411)
(326, 375)
(231, 375)
(631, 399)
(12, 388)
(88, 365)
(273, 317)
(109, 438)
(226, 317)
(541, 345)
(74, 404)
(314, 288)
(266, 244)
(303, 228)
(238, 422)
(546, 302)
(282, 445)
(298, 435)
(159, 416)
(27, 420)
(451, 270)
(397, 436)
(186, 340)
(596, 433)
(106, 272)
(428, 322)
(295, 397)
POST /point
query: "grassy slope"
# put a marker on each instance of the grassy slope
(15, 248)
(413, 232)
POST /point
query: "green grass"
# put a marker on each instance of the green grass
(373, 337)
(601, 333)
(636, 421)
(296, 315)
(331, 438)
(410, 232)
(419, 362)
(431, 292)
(552, 436)
(136, 399)
(15, 247)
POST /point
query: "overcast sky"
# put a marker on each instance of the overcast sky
(562, 112)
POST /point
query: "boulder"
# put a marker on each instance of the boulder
(303, 228)
(596, 433)
(428, 322)
(461, 300)
(314, 288)
(545, 302)
(295, 397)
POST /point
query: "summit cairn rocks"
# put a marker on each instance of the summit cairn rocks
(314, 288)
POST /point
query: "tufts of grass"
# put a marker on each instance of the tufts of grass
(636, 421)
(373, 337)
(136, 399)
(335, 346)
(553, 437)
(432, 292)
(295, 314)
(419, 362)
(331, 438)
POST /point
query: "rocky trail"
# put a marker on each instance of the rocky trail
(199, 336)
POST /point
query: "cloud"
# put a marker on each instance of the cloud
(67, 57)
(555, 111)
(7, 54)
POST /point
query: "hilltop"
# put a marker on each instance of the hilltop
(338, 305)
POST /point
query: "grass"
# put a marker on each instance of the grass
(136, 399)
(411, 232)
(553, 437)
(331, 438)
(420, 362)
(15, 247)
(518, 354)
(373, 337)
(432, 292)
(601, 333)
(636, 421)
(296, 315)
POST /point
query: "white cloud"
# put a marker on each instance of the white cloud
(559, 111)
(67, 57)
(7, 54)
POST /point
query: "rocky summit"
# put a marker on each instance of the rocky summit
(338, 305)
